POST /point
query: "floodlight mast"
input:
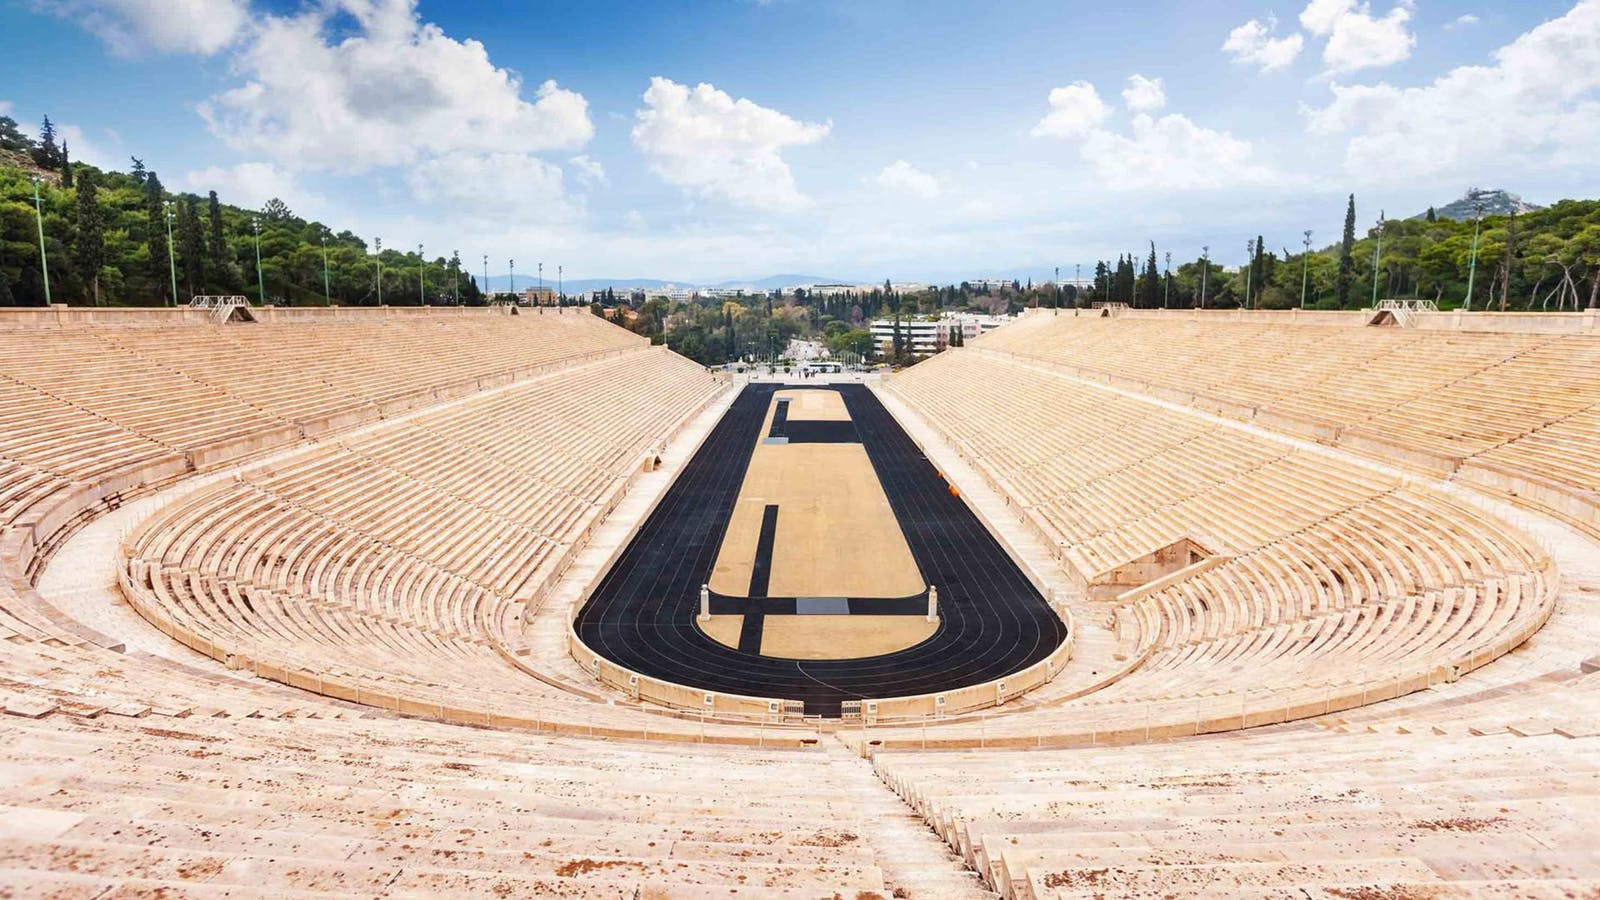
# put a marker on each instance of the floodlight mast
(1377, 258)
(1472, 268)
(1166, 284)
(261, 280)
(1305, 269)
(44, 259)
(172, 259)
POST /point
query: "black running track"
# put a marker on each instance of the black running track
(642, 615)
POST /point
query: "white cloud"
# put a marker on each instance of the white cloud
(1253, 43)
(903, 176)
(1538, 104)
(5, 107)
(1075, 110)
(80, 147)
(705, 141)
(131, 27)
(1319, 16)
(1172, 152)
(1462, 21)
(588, 169)
(393, 91)
(1356, 39)
(492, 184)
(249, 185)
(83, 149)
(1144, 94)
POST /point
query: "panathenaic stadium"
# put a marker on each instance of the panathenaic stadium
(506, 602)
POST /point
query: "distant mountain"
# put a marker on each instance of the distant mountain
(773, 282)
(580, 285)
(575, 285)
(1493, 202)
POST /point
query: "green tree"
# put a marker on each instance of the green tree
(192, 246)
(1346, 254)
(218, 266)
(12, 138)
(89, 244)
(155, 234)
(46, 155)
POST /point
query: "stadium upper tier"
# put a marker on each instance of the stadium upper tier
(359, 526)
(1519, 413)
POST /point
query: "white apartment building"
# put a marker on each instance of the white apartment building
(923, 336)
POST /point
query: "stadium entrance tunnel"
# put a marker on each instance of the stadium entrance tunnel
(810, 553)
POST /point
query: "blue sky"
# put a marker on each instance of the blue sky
(862, 140)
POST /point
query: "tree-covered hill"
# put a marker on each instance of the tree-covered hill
(106, 240)
(1544, 259)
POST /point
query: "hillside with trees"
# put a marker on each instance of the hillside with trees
(1544, 259)
(123, 239)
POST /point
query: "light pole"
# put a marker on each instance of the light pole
(44, 260)
(422, 272)
(327, 287)
(377, 244)
(172, 259)
(561, 291)
(1249, 269)
(1305, 270)
(1205, 270)
(261, 280)
(1377, 257)
(486, 278)
(455, 258)
(1472, 268)
(1166, 284)
(539, 295)
(1077, 282)
(511, 272)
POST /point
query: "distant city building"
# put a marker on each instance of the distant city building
(923, 336)
(539, 296)
(835, 290)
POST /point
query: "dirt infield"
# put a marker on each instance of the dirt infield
(837, 534)
(842, 637)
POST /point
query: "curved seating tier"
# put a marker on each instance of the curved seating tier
(385, 565)
(329, 804)
(1325, 585)
(1515, 412)
(388, 567)
(1288, 811)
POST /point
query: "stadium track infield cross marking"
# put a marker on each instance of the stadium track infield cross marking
(641, 616)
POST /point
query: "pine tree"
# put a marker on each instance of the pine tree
(11, 137)
(192, 246)
(1150, 282)
(217, 245)
(89, 245)
(138, 172)
(155, 232)
(1433, 216)
(1346, 260)
(46, 155)
(66, 166)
